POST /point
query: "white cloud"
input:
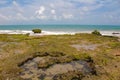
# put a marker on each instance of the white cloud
(85, 8)
(40, 13)
(16, 7)
(2, 17)
(90, 8)
(53, 11)
(52, 5)
(59, 10)
(41, 10)
(32, 18)
(15, 3)
(67, 16)
(19, 16)
(42, 17)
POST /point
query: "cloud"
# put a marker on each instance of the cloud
(17, 7)
(86, 1)
(55, 17)
(53, 11)
(2, 17)
(15, 3)
(78, 11)
(40, 13)
(42, 17)
(92, 7)
(52, 5)
(67, 16)
(19, 16)
(41, 10)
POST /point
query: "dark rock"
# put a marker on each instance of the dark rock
(21, 73)
(28, 79)
(42, 76)
(30, 72)
(115, 33)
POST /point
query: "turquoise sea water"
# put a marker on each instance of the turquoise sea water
(62, 27)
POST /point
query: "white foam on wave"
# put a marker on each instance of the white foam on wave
(15, 31)
(31, 33)
(110, 33)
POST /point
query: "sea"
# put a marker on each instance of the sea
(60, 29)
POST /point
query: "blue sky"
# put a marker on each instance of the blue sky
(60, 12)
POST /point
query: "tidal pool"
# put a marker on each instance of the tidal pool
(31, 71)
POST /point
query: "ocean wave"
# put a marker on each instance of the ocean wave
(29, 31)
(15, 32)
(110, 33)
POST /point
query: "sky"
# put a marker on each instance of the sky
(60, 12)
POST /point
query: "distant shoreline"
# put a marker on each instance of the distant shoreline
(108, 33)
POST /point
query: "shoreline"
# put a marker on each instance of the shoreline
(107, 33)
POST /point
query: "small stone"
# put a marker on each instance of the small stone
(30, 72)
(21, 74)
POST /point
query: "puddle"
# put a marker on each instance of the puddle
(31, 70)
